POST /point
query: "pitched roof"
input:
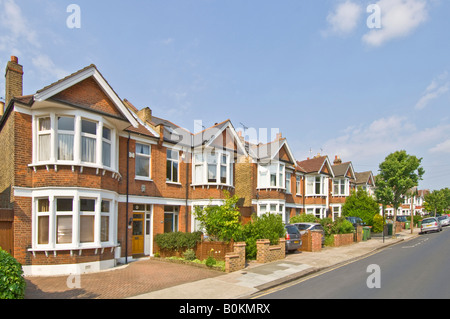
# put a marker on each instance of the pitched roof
(363, 177)
(314, 165)
(342, 169)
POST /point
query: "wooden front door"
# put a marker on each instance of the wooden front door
(138, 233)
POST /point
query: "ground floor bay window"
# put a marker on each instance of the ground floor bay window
(73, 219)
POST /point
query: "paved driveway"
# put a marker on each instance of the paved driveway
(136, 278)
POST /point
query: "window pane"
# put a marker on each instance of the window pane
(43, 205)
(142, 149)
(174, 171)
(88, 127)
(64, 229)
(66, 123)
(105, 206)
(223, 174)
(88, 149)
(87, 205)
(106, 133)
(44, 147)
(106, 154)
(199, 174)
(87, 229)
(43, 230)
(44, 124)
(212, 173)
(142, 166)
(65, 147)
(104, 228)
(64, 204)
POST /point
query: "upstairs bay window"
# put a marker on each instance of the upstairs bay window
(341, 187)
(316, 185)
(271, 175)
(70, 139)
(212, 168)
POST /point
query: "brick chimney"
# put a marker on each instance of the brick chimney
(145, 114)
(13, 79)
(337, 160)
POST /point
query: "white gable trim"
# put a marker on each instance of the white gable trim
(77, 78)
(233, 132)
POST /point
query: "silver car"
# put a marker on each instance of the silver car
(430, 224)
(444, 220)
(304, 227)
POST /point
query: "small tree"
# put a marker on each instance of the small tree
(361, 204)
(221, 222)
(435, 201)
(399, 172)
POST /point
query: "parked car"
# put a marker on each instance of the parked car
(304, 227)
(293, 238)
(430, 224)
(355, 221)
(444, 220)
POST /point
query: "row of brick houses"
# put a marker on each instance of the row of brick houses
(88, 179)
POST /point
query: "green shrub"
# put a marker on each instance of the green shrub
(177, 241)
(211, 261)
(12, 284)
(189, 254)
(267, 226)
(304, 218)
(377, 224)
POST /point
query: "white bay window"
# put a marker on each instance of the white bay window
(340, 187)
(212, 168)
(316, 185)
(73, 219)
(271, 175)
(73, 138)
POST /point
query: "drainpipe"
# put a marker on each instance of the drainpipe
(126, 209)
(187, 190)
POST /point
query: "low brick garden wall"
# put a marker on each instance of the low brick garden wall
(235, 260)
(312, 241)
(265, 252)
(343, 239)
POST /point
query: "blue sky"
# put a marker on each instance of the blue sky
(314, 70)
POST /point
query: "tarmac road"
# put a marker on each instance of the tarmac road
(415, 269)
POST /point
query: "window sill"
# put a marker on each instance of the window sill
(272, 189)
(98, 249)
(142, 178)
(173, 183)
(100, 169)
(216, 185)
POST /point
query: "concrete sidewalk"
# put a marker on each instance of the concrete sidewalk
(256, 277)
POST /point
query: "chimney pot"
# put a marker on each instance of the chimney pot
(14, 59)
(2, 108)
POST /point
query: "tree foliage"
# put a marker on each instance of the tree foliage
(398, 173)
(361, 204)
(221, 222)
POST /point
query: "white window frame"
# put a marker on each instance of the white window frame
(272, 207)
(75, 195)
(311, 181)
(339, 183)
(288, 182)
(143, 155)
(265, 173)
(172, 163)
(201, 165)
(298, 182)
(78, 116)
(43, 133)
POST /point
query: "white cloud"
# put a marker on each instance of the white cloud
(443, 147)
(18, 37)
(437, 87)
(344, 19)
(399, 18)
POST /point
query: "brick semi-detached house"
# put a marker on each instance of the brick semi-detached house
(88, 180)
